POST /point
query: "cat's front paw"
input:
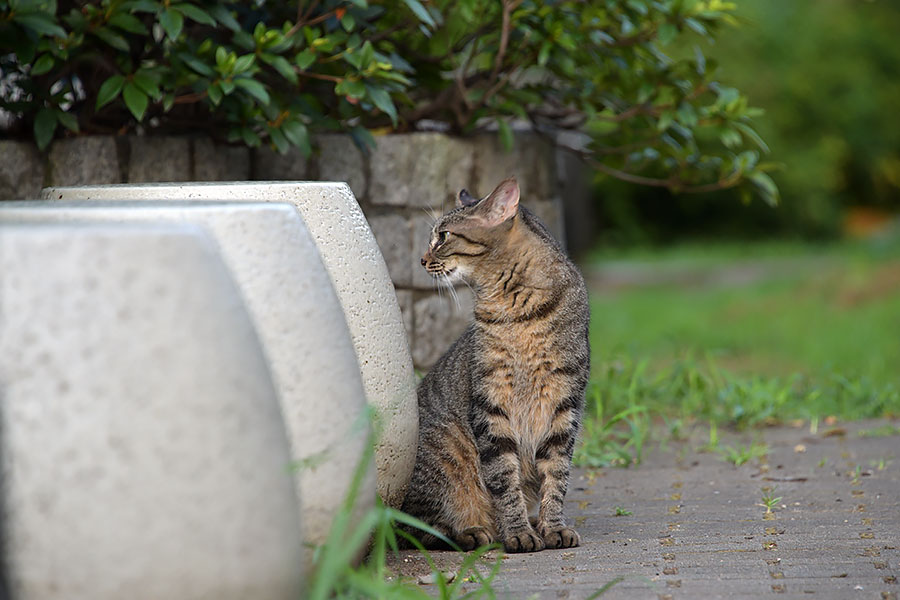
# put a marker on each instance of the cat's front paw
(560, 537)
(527, 541)
(473, 537)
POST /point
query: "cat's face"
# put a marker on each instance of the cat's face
(463, 239)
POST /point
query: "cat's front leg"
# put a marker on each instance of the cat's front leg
(502, 474)
(553, 459)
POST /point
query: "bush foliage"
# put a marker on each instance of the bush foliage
(269, 72)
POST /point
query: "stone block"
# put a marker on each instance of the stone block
(551, 215)
(159, 158)
(21, 170)
(219, 162)
(364, 289)
(531, 161)
(419, 169)
(271, 165)
(392, 232)
(142, 448)
(339, 159)
(439, 319)
(84, 160)
(291, 301)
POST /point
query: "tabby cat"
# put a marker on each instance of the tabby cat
(500, 411)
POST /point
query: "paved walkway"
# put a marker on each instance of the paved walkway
(698, 529)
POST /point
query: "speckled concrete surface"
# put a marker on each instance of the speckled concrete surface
(143, 450)
(363, 285)
(698, 529)
(289, 296)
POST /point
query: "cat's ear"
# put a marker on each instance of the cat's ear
(464, 198)
(502, 204)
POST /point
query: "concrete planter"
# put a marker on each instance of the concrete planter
(289, 296)
(364, 289)
(142, 448)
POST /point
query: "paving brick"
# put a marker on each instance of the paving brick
(21, 170)
(714, 547)
(84, 160)
(159, 158)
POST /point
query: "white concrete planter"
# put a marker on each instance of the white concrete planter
(360, 278)
(142, 448)
(289, 296)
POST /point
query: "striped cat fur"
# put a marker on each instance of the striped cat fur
(500, 411)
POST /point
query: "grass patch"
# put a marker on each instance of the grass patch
(738, 338)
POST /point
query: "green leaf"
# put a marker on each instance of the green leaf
(254, 88)
(215, 94)
(367, 54)
(506, 134)
(347, 22)
(112, 38)
(42, 65)
(665, 119)
(305, 58)
(135, 99)
(127, 22)
(68, 120)
(195, 14)
(250, 137)
(297, 134)
(751, 133)
(197, 64)
(109, 91)
(223, 16)
(354, 89)
(766, 187)
(281, 143)
(168, 102)
(243, 63)
(382, 99)
(667, 33)
(284, 67)
(41, 23)
(147, 84)
(420, 11)
(172, 22)
(44, 126)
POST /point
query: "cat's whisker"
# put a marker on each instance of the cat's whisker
(452, 290)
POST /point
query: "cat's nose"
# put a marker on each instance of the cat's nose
(422, 260)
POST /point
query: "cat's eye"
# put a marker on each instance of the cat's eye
(442, 237)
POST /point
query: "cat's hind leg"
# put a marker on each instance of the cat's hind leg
(447, 491)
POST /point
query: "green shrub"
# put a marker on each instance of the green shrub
(272, 71)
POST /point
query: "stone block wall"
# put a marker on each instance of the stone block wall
(401, 185)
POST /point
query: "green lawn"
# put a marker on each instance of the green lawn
(739, 336)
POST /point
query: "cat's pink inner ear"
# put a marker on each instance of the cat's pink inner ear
(503, 203)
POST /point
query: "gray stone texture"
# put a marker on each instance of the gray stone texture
(439, 320)
(21, 170)
(339, 159)
(392, 232)
(159, 158)
(219, 162)
(84, 160)
(419, 170)
(144, 455)
(271, 165)
(531, 161)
